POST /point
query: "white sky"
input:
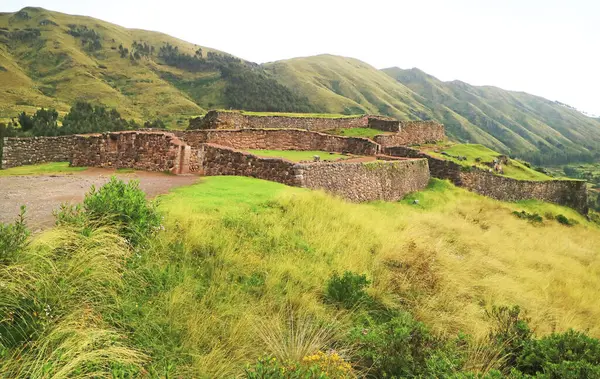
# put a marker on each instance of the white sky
(549, 48)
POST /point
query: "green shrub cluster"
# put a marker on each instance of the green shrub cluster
(13, 237)
(82, 118)
(532, 217)
(347, 290)
(562, 219)
(391, 343)
(117, 203)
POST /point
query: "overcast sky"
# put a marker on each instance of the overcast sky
(549, 48)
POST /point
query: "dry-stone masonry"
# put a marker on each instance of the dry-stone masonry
(377, 180)
(279, 139)
(355, 181)
(238, 120)
(149, 151)
(19, 151)
(413, 133)
(572, 193)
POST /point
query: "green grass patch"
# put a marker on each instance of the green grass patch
(357, 132)
(298, 155)
(476, 154)
(42, 169)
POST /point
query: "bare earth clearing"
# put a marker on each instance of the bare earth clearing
(44, 193)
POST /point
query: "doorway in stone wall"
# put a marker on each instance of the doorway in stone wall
(181, 159)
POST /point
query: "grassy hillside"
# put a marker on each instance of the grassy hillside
(514, 122)
(347, 85)
(55, 68)
(51, 59)
(239, 269)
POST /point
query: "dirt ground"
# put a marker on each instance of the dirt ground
(41, 194)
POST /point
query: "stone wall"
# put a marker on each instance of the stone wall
(19, 151)
(384, 124)
(238, 120)
(149, 151)
(279, 139)
(220, 160)
(412, 133)
(378, 180)
(571, 193)
(355, 181)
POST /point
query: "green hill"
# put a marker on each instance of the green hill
(519, 123)
(51, 59)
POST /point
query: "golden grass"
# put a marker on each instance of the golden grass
(446, 260)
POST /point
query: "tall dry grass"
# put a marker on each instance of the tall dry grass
(445, 260)
(53, 294)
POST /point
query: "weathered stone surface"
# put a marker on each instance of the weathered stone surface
(220, 160)
(149, 151)
(378, 180)
(19, 151)
(237, 120)
(413, 132)
(571, 193)
(279, 139)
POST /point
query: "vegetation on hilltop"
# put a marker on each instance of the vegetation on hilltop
(50, 59)
(241, 277)
(538, 130)
(82, 118)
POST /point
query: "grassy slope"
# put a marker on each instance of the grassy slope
(515, 169)
(238, 252)
(514, 122)
(344, 85)
(297, 156)
(240, 267)
(58, 65)
(42, 169)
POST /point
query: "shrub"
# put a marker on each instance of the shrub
(117, 202)
(510, 331)
(562, 219)
(347, 290)
(531, 217)
(571, 351)
(13, 237)
(401, 347)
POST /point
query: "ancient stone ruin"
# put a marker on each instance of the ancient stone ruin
(218, 143)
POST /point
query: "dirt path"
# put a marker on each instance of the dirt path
(44, 193)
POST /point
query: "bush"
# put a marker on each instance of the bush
(347, 290)
(510, 331)
(562, 219)
(571, 351)
(401, 347)
(117, 202)
(532, 217)
(13, 237)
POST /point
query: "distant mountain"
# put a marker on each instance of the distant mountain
(51, 59)
(523, 124)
